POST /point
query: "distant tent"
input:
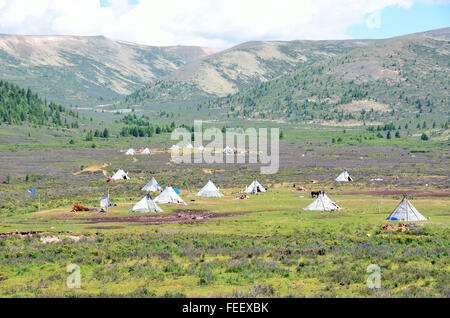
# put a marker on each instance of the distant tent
(146, 205)
(323, 203)
(152, 186)
(344, 177)
(175, 148)
(130, 152)
(169, 196)
(210, 190)
(104, 202)
(228, 150)
(146, 151)
(189, 146)
(255, 186)
(120, 175)
(405, 211)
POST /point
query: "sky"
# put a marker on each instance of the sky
(221, 24)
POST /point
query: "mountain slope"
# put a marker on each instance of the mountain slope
(87, 70)
(402, 77)
(18, 106)
(237, 69)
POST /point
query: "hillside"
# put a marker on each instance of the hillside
(237, 69)
(19, 106)
(394, 78)
(87, 70)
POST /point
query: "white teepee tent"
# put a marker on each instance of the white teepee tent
(344, 177)
(254, 186)
(130, 152)
(228, 150)
(104, 202)
(189, 146)
(169, 196)
(210, 190)
(146, 151)
(175, 148)
(120, 175)
(201, 148)
(323, 203)
(405, 211)
(146, 205)
(152, 186)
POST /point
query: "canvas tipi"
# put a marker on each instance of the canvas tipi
(405, 211)
(146, 151)
(323, 203)
(152, 186)
(255, 186)
(175, 148)
(104, 202)
(130, 152)
(169, 196)
(210, 190)
(344, 177)
(228, 150)
(120, 175)
(146, 205)
(189, 146)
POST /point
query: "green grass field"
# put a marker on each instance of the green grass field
(271, 248)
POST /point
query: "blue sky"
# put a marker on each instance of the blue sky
(220, 24)
(395, 21)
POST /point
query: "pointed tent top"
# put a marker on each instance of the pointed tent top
(146, 205)
(152, 186)
(120, 175)
(169, 196)
(146, 151)
(405, 211)
(254, 186)
(323, 203)
(344, 177)
(210, 190)
(189, 146)
(130, 152)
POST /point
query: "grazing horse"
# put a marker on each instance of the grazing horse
(315, 194)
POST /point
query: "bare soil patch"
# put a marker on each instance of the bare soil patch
(104, 227)
(180, 217)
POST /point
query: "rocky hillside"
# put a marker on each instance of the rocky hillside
(394, 78)
(87, 70)
(237, 69)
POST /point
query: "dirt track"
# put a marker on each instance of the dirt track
(181, 217)
(414, 193)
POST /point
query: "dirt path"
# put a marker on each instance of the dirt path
(180, 217)
(93, 169)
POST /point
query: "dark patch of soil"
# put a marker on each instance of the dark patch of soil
(180, 217)
(24, 233)
(104, 227)
(443, 214)
(414, 193)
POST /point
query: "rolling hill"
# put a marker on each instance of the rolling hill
(87, 70)
(238, 69)
(390, 79)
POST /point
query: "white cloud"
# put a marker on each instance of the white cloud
(214, 23)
